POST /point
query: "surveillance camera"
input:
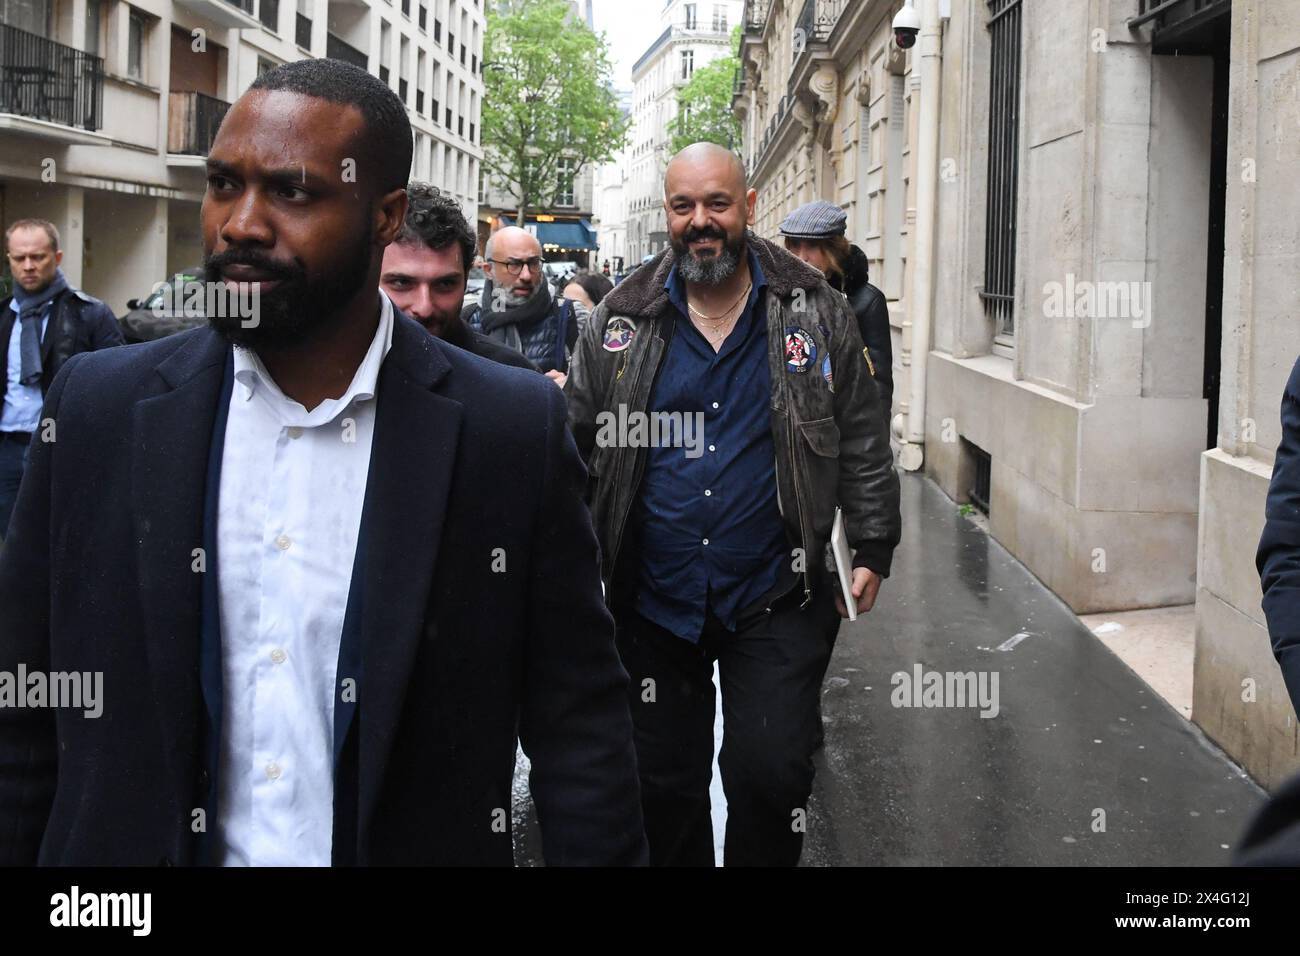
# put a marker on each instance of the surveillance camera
(907, 25)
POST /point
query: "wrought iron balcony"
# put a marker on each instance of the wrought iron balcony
(756, 12)
(192, 122)
(816, 22)
(46, 80)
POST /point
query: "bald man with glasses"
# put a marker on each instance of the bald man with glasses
(518, 309)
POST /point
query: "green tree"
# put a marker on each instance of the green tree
(704, 113)
(548, 106)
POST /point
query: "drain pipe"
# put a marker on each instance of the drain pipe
(910, 429)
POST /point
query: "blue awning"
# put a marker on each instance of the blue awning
(567, 234)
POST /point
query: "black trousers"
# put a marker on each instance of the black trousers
(771, 668)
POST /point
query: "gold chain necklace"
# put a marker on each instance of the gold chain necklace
(725, 312)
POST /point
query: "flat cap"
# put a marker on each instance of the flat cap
(815, 220)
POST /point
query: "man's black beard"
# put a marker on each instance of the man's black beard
(714, 270)
(298, 308)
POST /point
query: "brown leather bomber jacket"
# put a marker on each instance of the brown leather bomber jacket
(832, 443)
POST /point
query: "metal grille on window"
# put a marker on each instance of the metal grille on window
(1004, 167)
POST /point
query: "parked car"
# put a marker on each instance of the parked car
(170, 308)
(474, 286)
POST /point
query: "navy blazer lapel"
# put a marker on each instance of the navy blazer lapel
(171, 440)
(411, 465)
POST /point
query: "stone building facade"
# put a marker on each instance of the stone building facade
(1110, 282)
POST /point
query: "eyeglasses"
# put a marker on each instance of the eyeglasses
(516, 266)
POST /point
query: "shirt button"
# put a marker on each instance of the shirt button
(707, 493)
(706, 541)
(273, 771)
(283, 542)
(294, 431)
(711, 448)
(278, 656)
(715, 404)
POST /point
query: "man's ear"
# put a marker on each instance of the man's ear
(751, 202)
(389, 216)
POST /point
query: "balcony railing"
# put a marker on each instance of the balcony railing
(192, 122)
(47, 80)
(336, 49)
(816, 22)
(773, 124)
(756, 12)
(302, 32)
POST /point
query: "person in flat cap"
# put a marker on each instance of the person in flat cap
(815, 233)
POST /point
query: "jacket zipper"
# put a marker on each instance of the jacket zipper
(798, 509)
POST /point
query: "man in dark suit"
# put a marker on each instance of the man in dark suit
(329, 575)
(43, 324)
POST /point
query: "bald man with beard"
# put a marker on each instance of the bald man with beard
(714, 538)
(518, 309)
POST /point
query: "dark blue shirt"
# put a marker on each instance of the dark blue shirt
(710, 528)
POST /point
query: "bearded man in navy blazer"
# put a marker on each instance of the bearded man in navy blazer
(330, 568)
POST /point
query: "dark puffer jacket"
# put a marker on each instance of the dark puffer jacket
(869, 308)
(546, 342)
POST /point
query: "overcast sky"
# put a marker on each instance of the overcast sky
(630, 26)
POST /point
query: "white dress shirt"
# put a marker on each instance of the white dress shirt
(292, 487)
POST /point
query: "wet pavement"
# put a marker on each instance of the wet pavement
(1080, 763)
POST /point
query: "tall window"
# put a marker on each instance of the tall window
(419, 83)
(268, 12)
(690, 16)
(1004, 127)
(565, 195)
(719, 18)
(403, 68)
(94, 17)
(688, 64)
(302, 25)
(30, 15)
(136, 31)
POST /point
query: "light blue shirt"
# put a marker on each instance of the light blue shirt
(22, 408)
